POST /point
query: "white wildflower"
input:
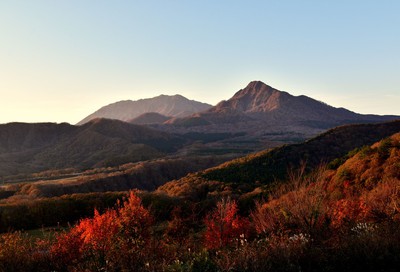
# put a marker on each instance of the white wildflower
(300, 238)
(364, 228)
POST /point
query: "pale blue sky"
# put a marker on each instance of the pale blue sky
(62, 60)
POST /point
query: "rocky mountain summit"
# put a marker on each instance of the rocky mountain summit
(260, 102)
(264, 114)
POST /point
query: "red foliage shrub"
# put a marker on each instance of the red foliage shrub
(348, 210)
(66, 250)
(99, 241)
(224, 225)
(97, 233)
(134, 220)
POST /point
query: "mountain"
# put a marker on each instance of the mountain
(26, 148)
(270, 166)
(259, 100)
(261, 108)
(257, 117)
(175, 106)
(149, 118)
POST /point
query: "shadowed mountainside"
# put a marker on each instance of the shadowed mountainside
(149, 118)
(28, 148)
(266, 167)
(147, 175)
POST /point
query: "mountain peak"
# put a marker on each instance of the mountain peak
(257, 85)
(171, 96)
(255, 97)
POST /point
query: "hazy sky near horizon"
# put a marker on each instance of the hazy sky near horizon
(62, 60)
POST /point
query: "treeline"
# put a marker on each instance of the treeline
(146, 175)
(269, 166)
(51, 212)
(68, 209)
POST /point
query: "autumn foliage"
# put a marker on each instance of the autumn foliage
(344, 220)
(103, 237)
(224, 225)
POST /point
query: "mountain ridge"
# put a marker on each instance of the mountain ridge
(262, 102)
(168, 105)
(26, 147)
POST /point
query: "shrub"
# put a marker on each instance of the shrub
(14, 252)
(224, 226)
(96, 243)
(300, 206)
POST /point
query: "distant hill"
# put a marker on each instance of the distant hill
(149, 118)
(174, 106)
(269, 166)
(259, 109)
(26, 148)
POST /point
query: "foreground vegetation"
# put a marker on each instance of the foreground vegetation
(344, 217)
(301, 230)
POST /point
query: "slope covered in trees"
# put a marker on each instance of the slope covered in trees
(271, 166)
(28, 148)
(146, 175)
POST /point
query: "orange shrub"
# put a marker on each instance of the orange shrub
(305, 209)
(14, 252)
(347, 211)
(384, 201)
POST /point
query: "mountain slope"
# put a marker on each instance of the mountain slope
(269, 166)
(177, 106)
(379, 162)
(272, 165)
(28, 148)
(149, 118)
(145, 175)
